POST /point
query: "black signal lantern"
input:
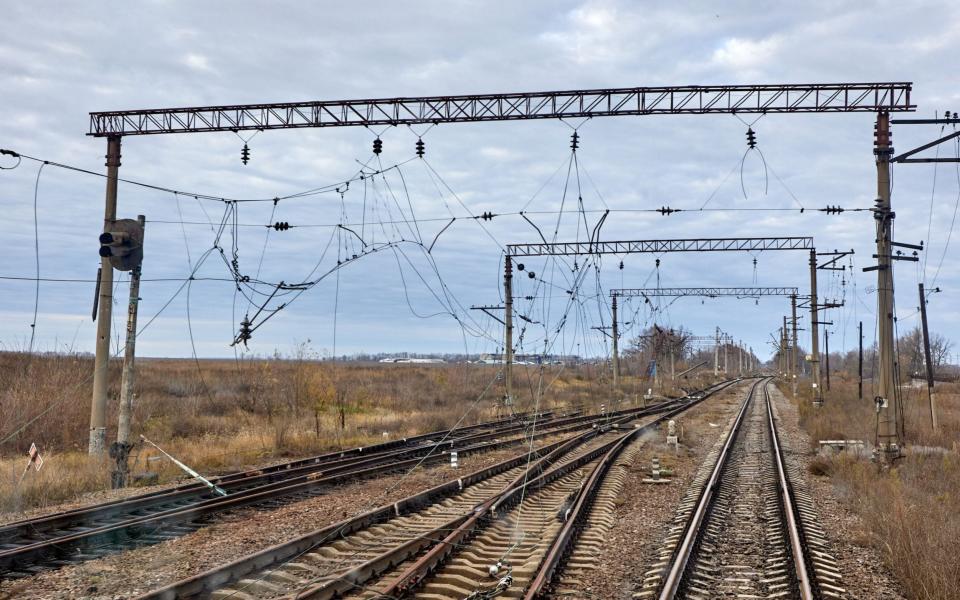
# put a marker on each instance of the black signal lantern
(377, 146)
(245, 154)
(123, 244)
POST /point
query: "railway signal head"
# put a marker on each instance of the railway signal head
(123, 244)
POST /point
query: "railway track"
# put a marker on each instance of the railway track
(52, 541)
(388, 551)
(747, 528)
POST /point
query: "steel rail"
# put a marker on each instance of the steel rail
(336, 456)
(566, 538)
(794, 531)
(415, 574)
(220, 576)
(806, 585)
(208, 581)
(246, 481)
(127, 531)
(707, 496)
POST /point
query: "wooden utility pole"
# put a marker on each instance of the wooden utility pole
(616, 347)
(121, 450)
(814, 333)
(931, 394)
(888, 433)
(508, 330)
(860, 365)
(98, 405)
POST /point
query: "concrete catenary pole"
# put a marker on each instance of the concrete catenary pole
(508, 330)
(860, 364)
(716, 355)
(888, 438)
(814, 331)
(726, 339)
(122, 449)
(826, 356)
(795, 352)
(616, 346)
(931, 394)
(98, 405)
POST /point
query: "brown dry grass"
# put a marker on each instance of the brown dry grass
(909, 511)
(223, 415)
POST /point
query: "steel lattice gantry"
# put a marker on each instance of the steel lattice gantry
(708, 292)
(660, 246)
(666, 100)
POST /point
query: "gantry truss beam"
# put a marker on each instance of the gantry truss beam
(709, 292)
(708, 99)
(661, 246)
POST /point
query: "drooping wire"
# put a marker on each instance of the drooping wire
(36, 256)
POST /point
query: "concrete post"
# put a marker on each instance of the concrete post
(121, 450)
(98, 405)
(931, 394)
(616, 347)
(508, 329)
(888, 437)
(814, 331)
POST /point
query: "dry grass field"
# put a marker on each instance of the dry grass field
(909, 511)
(222, 415)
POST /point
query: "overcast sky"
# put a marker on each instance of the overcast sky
(60, 61)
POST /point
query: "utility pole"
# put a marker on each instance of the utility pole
(888, 438)
(814, 333)
(783, 350)
(931, 395)
(860, 365)
(740, 351)
(98, 405)
(508, 330)
(794, 356)
(726, 370)
(826, 351)
(121, 450)
(616, 347)
(716, 355)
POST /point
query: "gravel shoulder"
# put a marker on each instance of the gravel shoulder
(864, 574)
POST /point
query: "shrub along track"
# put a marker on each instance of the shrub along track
(379, 547)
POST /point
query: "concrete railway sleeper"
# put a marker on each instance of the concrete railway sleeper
(747, 528)
(49, 542)
(343, 557)
(322, 465)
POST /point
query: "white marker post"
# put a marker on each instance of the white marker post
(453, 459)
